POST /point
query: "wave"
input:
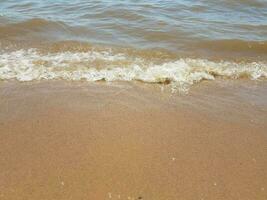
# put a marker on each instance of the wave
(29, 25)
(30, 65)
(234, 45)
(36, 30)
(39, 31)
(255, 3)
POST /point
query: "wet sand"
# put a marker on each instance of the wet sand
(66, 140)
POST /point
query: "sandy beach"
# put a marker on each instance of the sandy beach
(66, 140)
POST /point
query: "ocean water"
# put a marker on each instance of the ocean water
(179, 42)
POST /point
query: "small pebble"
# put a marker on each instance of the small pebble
(215, 184)
(62, 183)
(173, 159)
(109, 195)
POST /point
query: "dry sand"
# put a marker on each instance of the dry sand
(65, 140)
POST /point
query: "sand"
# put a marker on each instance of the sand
(66, 140)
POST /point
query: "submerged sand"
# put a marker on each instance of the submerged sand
(66, 140)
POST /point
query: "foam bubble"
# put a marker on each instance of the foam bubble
(29, 65)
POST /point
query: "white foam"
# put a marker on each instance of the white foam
(28, 65)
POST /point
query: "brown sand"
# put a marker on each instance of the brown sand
(63, 140)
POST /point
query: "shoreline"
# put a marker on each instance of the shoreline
(66, 140)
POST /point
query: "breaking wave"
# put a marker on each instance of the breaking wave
(30, 65)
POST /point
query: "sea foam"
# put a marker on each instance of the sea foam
(29, 65)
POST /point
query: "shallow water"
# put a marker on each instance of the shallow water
(180, 42)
